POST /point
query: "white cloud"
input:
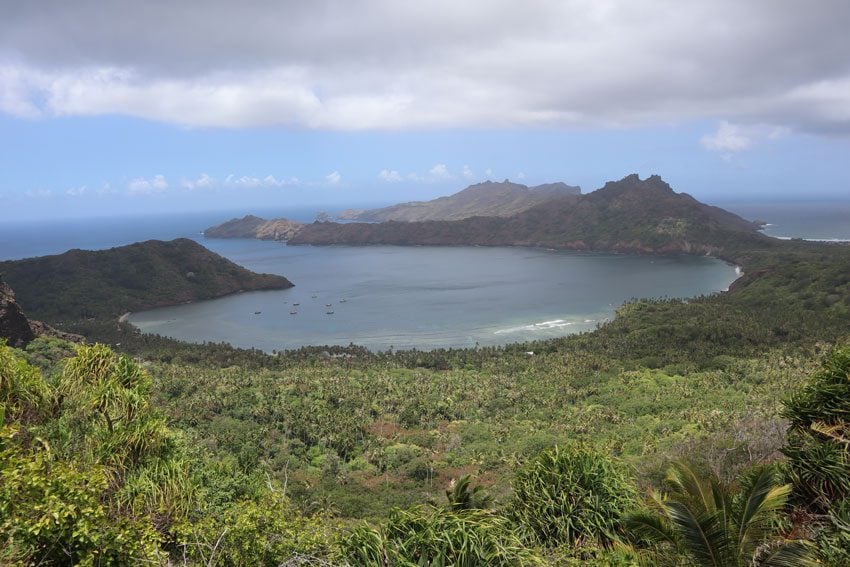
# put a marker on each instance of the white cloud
(39, 193)
(467, 173)
(440, 172)
(145, 186)
(337, 65)
(520, 176)
(731, 138)
(488, 173)
(203, 181)
(390, 176)
(249, 182)
(728, 138)
(77, 191)
(333, 177)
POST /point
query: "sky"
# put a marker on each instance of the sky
(109, 108)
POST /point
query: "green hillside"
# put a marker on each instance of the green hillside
(82, 284)
(630, 215)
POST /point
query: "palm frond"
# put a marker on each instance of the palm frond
(788, 554)
(702, 533)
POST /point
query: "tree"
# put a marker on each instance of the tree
(707, 522)
(461, 496)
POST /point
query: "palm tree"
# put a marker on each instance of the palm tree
(461, 496)
(704, 520)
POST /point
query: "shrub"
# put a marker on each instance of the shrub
(818, 447)
(431, 536)
(571, 495)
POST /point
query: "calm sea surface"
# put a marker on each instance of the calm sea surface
(406, 297)
(426, 297)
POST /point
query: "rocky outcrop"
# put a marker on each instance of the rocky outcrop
(14, 325)
(17, 329)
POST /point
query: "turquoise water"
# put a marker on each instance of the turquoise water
(427, 297)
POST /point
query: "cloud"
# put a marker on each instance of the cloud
(106, 189)
(390, 176)
(520, 176)
(145, 186)
(77, 191)
(730, 138)
(440, 172)
(39, 193)
(727, 138)
(333, 178)
(250, 182)
(382, 64)
(488, 173)
(203, 181)
(467, 173)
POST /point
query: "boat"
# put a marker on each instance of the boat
(343, 300)
(330, 311)
(314, 296)
(293, 312)
(328, 304)
(257, 312)
(296, 304)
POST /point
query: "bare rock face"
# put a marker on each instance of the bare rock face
(14, 325)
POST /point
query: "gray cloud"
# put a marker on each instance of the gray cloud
(389, 64)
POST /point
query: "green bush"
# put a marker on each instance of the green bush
(431, 536)
(571, 495)
(818, 447)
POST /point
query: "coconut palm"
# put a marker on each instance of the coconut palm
(462, 496)
(705, 521)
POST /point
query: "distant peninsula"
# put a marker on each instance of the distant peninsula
(82, 284)
(251, 226)
(631, 215)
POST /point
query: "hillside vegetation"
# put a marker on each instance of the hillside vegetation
(250, 226)
(630, 215)
(81, 284)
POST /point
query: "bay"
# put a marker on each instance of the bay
(426, 297)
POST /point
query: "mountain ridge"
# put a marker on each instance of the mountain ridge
(629, 215)
(489, 198)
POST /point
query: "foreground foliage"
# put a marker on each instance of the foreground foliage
(434, 536)
(572, 495)
(713, 525)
